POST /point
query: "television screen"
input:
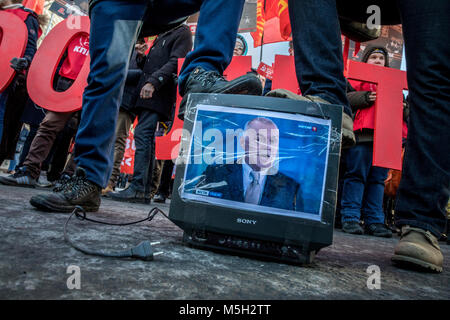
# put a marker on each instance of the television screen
(257, 160)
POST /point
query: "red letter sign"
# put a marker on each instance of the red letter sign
(43, 67)
(13, 41)
(387, 142)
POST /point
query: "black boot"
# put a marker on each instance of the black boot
(130, 194)
(202, 81)
(77, 191)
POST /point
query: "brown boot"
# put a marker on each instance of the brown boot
(348, 136)
(420, 249)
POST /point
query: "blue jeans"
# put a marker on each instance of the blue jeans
(318, 50)
(115, 25)
(363, 186)
(144, 138)
(425, 186)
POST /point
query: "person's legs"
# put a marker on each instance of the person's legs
(372, 206)
(42, 143)
(124, 122)
(358, 161)
(318, 50)
(164, 186)
(144, 138)
(208, 53)
(424, 188)
(114, 29)
(27, 144)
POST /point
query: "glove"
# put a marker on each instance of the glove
(19, 64)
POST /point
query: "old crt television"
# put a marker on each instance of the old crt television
(257, 176)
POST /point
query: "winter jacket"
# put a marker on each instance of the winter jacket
(160, 69)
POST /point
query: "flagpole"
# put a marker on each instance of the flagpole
(262, 37)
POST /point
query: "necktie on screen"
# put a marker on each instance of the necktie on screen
(254, 189)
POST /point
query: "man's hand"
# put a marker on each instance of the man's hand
(372, 96)
(19, 64)
(147, 91)
(141, 49)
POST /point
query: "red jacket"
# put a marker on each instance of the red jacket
(77, 51)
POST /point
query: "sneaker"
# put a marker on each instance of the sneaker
(77, 191)
(129, 194)
(378, 230)
(202, 81)
(352, 227)
(159, 198)
(21, 178)
(418, 249)
(348, 136)
(43, 181)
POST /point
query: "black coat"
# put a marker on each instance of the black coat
(160, 69)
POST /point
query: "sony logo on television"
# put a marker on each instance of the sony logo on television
(245, 221)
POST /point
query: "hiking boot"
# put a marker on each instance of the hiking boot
(77, 191)
(378, 230)
(130, 194)
(348, 136)
(352, 227)
(159, 198)
(21, 178)
(202, 81)
(62, 183)
(418, 249)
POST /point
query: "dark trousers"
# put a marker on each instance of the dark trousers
(53, 123)
(14, 99)
(363, 186)
(114, 28)
(144, 139)
(166, 178)
(318, 50)
(425, 186)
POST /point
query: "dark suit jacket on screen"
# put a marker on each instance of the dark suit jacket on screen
(280, 191)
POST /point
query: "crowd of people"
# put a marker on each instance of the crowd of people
(141, 81)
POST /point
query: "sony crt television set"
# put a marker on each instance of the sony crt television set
(257, 175)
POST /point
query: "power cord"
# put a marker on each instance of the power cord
(143, 251)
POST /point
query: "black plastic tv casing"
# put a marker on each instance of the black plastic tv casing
(289, 239)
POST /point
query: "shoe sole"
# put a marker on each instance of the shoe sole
(15, 184)
(412, 263)
(43, 205)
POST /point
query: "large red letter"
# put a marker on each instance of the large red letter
(13, 41)
(167, 147)
(387, 145)
(387, 142)
(43, 67)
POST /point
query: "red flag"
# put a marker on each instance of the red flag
(273, 24)
(35, 5)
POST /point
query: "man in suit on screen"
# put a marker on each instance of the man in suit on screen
(254, 178)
